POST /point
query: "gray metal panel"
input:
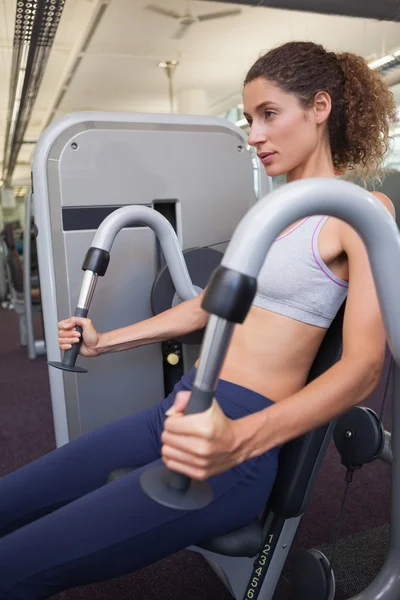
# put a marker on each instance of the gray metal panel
(120, 159)
(122, 383)
(137, 166)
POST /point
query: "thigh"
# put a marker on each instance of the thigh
(117, 529)
(80, 466)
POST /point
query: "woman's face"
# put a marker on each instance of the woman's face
(284, 133)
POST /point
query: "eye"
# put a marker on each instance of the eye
(269, 114)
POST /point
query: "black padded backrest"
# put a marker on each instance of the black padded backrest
(300, 459)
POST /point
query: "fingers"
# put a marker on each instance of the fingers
(72, 322)
(196, 473)
(187, 464)
(67, 335)
(198, 460)
(67, 324)
(180, 403)
(65, 346)
(171, 444)
(199, 425)
(66, 338)
(66, 343)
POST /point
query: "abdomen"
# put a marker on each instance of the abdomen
(271, 354)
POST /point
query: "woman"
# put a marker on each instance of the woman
(312, 113)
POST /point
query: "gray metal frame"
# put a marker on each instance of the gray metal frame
(57, 251)
(247, 252)
(35, 347)
(235, 572)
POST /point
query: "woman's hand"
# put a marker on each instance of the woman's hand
(67, 335)
(200, 445)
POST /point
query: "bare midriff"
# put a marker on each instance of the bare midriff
(272, 354)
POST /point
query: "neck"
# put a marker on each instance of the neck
(319, 164)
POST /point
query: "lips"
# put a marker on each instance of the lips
(265, 156)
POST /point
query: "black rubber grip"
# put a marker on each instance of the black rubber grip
(96, 260)
(199, 401)
(71, 355)
(229, 294)
(178, 481)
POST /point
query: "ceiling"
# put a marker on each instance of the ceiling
(118, 69)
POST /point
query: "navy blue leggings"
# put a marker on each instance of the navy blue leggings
(62, 526)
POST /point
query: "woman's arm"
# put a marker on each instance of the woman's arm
(182, 319)
(205, 444)
(345, 384)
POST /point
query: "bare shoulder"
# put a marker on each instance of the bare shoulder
(385, 201)
(348, 235)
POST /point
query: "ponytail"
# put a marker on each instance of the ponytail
(362, 105)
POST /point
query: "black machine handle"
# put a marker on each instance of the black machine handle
(200, 401)
(173, 489)
(70, 356)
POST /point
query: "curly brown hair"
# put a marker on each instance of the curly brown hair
(362, 105)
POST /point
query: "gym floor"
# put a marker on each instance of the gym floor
(27, 433)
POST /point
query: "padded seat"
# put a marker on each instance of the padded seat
(245, 541)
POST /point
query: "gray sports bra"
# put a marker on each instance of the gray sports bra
(295, 282)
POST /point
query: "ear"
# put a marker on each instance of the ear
(322, 107)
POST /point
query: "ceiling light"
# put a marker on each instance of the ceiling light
(381, 61)
(164, 64)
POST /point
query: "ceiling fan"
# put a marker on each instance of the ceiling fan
(188, 19)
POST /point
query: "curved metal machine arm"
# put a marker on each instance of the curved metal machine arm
(98, 256)
(130, 215)
(349, 202)
(247, 252)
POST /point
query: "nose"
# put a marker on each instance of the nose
(257, 135)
